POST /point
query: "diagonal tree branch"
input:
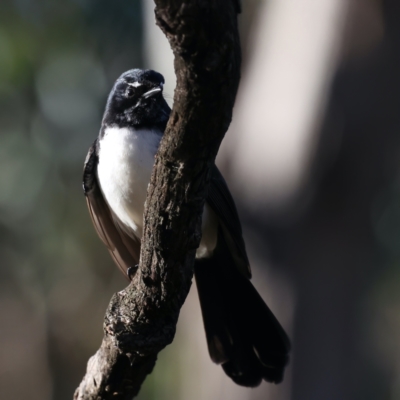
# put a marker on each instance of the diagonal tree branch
(141, 320)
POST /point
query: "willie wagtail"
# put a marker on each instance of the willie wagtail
(242, 333)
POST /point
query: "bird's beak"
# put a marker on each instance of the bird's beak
(152, 92)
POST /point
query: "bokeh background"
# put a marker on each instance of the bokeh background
(312, 158)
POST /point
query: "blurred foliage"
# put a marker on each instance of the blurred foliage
(57, 63)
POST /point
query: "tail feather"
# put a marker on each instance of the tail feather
(242, 333)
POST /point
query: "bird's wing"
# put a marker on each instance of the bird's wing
(124, 249)
(220, 200)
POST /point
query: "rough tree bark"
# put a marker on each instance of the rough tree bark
(141, 320)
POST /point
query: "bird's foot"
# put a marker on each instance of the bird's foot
(131, 271)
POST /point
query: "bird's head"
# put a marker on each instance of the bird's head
(136, 100)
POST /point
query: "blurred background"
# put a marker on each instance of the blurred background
(312, 158)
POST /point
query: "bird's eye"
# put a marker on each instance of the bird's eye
(130, 91)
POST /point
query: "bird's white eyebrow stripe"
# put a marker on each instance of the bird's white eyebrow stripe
(135, 84)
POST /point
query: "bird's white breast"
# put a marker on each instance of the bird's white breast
(126, 158)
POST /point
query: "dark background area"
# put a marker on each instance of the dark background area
(326, 258)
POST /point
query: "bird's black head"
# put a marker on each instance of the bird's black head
(136, 101)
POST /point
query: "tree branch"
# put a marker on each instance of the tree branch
(141, 320)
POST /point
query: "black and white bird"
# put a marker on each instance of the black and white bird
(242, 333)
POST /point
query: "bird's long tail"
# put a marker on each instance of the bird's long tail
(242, 333)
